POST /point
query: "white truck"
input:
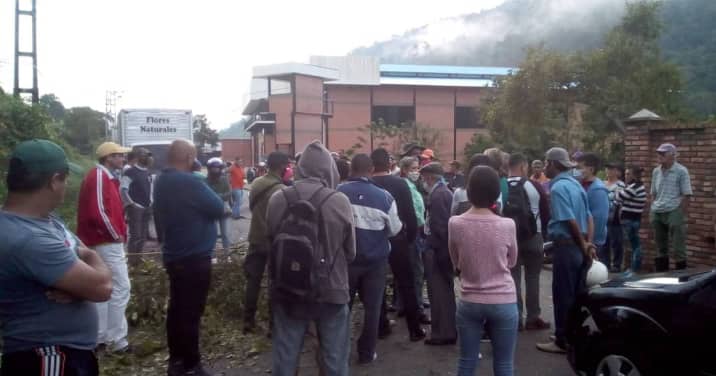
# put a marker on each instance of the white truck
(154, 129)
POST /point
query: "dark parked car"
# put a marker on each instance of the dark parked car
(659, 324)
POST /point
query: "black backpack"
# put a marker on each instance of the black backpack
(518, 208)
(299, 262)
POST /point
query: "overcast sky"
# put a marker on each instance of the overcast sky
(196, 54)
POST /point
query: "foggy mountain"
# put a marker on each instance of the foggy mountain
(498, 37)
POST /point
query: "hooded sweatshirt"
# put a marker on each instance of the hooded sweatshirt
(315, 169)
(598, 197)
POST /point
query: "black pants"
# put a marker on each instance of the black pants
(400, 264)
(50, 361)
(254, 267)
(189, 281)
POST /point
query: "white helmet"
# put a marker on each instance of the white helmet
(597, 274)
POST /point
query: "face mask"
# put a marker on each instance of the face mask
(578, 174)
(414, 176)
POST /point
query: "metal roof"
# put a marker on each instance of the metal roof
(442, 71)
(447, 82)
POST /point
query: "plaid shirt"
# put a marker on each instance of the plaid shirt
(668, 187)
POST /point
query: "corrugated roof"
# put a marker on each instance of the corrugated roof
(446, 69)
(446, 82)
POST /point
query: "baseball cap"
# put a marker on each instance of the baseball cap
(666, 148)
(434, 168)
(40, 156)
(109, 148)
(559, 155)
(537, 164)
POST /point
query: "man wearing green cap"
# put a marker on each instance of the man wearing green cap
(47, 276)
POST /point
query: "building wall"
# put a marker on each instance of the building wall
(350, 107)
(232, 148)
(435, 109)
(697, 152)
(282, 106)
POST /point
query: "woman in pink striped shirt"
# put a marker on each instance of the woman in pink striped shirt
(483, 249)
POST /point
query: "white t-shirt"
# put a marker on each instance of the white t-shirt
(533, 196)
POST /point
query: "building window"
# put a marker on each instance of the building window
(468, 117)
(394, 115)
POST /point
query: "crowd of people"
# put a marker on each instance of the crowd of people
(327, 229)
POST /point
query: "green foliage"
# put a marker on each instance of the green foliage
(52, 105)
(221, 339)
(530, 109)
(579, 101)
(20, 122)
(203, 134)
(84, 128)
(689, 40)
(477, 145)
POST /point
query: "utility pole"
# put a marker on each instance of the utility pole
(110, 109)
(32, 13)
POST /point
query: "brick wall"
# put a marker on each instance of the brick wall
(696, 144)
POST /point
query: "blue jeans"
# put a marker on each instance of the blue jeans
(224, 235)
(237, 195)
(613, 247)
(500, 321)
(333, 327)
(631, 230)
(567, 281)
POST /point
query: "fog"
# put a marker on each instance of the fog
(500, 36)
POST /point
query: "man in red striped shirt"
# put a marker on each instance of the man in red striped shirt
(101, 226)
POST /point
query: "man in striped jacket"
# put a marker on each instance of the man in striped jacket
(101, 226)
(376, 220)
(632, 200)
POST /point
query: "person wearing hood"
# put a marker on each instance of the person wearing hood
(598, 196)
(315, 171)
(568, 229)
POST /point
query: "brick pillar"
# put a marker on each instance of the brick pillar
(696, 144)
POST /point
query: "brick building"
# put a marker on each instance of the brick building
(696, 145)
(334, 98)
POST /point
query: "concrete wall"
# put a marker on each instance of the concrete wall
(696, 144)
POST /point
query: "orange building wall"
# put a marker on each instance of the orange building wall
(309, 94)
(435, 108)
(351, 112)
(308, 129)
(230, 149)
(281, 105)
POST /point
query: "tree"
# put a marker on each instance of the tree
(20, 122)
(203, 134)
(580, 100)
(530, 110)
(83, 128)
(52, 105)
